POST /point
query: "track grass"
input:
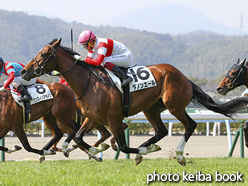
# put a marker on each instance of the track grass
(116, 172)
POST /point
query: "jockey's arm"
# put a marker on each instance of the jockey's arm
(102, 50)
(96, 61)
(9, 80)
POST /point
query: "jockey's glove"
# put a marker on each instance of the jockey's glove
(2, 89)
(80, 58)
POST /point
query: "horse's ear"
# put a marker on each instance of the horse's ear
(238, 60)
(57, 43)
(60, 40)
(242, 62)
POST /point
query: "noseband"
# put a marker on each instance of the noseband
(237, 80)
(39, 70)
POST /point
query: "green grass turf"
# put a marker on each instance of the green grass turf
(118, 172)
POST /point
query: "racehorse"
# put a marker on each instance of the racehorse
(57, 113)
(236, 76)
(101, 103)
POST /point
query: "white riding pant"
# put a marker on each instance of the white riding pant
(21, 81)
(120, 60)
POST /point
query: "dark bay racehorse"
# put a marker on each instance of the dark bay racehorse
(236, 76)
(101, 103)
(58, 114)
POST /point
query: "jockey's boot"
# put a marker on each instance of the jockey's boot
(122, 75)
(25, 96)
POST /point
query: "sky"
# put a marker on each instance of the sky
(99, 12)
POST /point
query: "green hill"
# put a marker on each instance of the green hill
(203, 55)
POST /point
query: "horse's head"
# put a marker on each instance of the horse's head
(39, 64)
(235, 77)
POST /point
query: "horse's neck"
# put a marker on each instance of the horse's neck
(77, 77)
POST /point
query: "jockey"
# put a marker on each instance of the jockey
(61, 79)
(109, 53)
(12, 69)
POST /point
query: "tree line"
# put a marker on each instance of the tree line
(201, 56)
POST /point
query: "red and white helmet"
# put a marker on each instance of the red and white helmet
(86, 36)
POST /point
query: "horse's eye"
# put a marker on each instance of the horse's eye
(233, 73)
(43, 54)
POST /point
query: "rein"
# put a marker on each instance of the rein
(39, 70)
(85, 87)
(42, 65)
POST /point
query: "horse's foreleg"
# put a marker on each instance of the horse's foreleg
(190, 126)
(51, 124)
(113, 140)
(72, 134)
(18, 130)
(118, 132)
(84, 129)
(153, 116)
(79, 138)
(3, 132)
(104, 133)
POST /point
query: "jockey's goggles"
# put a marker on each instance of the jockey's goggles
(86, 45)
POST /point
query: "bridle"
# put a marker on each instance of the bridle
(39, 70)
(239, 79)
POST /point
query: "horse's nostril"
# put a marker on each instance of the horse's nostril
(23, 71)
(219, 89)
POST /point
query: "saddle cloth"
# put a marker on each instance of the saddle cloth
(142, 78)
(38, 92)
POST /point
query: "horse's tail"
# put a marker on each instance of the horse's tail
(228, 109)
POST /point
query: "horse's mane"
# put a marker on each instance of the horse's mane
(66, 49)
(72, 53)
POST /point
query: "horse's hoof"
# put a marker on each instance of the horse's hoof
(52, 152)
(157, 148)
(99, 160)
(66, 153)
(183, 162)
(17, 147)
(41, 159)
(138, 159)
(104, 146)
(49, 152)
(75, 146)
(115, 148)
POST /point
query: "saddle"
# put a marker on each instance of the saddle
(105, 78)
(142, 79)
(38, 92)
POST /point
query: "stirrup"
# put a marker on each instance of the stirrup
(23, 99)
(126, 81)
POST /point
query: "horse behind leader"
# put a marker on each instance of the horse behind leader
(58, 114)
(236, 76)
(174, 91)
